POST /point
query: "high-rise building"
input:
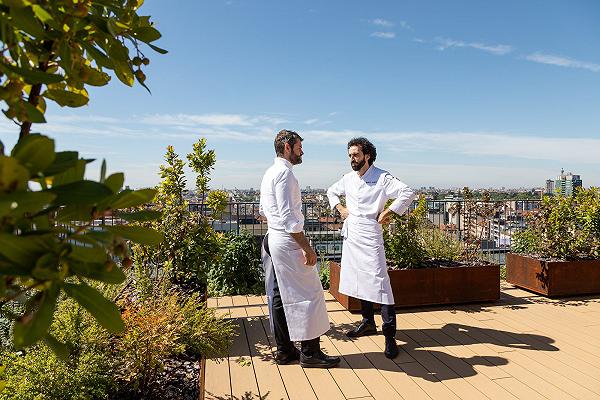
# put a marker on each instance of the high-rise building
(566, 184)
(549, 187)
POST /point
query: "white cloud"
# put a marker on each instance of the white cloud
(562, 61)
(475, 144)
(383, 35)
(381, 22)
(405, 25)
(311, 121)
(497, 49)
(209, 119)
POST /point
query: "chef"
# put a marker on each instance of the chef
(364, 271)
(296, 302)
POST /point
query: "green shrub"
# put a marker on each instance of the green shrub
(440, 245)
(566, 227)
(37, 373)
(239, 270)
(324, 273)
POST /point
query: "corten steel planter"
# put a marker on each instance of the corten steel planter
(431, 286)
(553, 278)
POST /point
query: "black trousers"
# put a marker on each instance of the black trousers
(388, 315)
(280, 327)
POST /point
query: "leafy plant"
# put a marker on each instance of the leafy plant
(324, 274)
(86, 373)
(566, 227)
(403, 246)
(217, 201)
(440, 245)
(53, 51)
(238, 270)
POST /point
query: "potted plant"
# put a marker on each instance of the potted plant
(428, 265)
(558, 254)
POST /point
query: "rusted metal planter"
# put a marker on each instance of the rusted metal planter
(431, 286)
(553, 278)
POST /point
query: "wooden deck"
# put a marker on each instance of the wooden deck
(523, 347)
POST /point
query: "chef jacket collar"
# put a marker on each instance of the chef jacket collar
(284, 162)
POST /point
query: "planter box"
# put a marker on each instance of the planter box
(553, 278)
(431, 286)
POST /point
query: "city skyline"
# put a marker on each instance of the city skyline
(452, 95)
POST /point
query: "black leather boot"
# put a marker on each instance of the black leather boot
(318, 360)
(391, 347)
(287, 356)
(365, 328)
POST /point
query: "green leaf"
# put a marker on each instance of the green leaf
(117, 51)
(123, 71)
(97, 55)
(60, 349)
(31, 76)
(138, 234)
(115, 181)
(34, 327)
(67, 98)
(103, 171)
(23, 18)
(23, 251)
(19, 203)
(157, 49)
(115, 27)
(76, 212)
(33, 113)
(96, 77)
(70, 175)
(130, 198)
(13, 176)
(80, 192)
(147, 34)
(103, 272)
(35, 152)
(42, 14)
(88, 254)
(46, 267)
(141, 216)
(106, 312)
(62, 162)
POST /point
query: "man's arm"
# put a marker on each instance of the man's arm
(309, 254)
(333, 195)
(403, 195)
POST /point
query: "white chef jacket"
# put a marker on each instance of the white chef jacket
(363, 268)
(299, 285)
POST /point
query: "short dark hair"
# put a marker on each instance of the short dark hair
(366, 147)
(285, 136)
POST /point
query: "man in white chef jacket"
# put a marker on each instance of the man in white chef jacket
(296, 302)
(363, 272)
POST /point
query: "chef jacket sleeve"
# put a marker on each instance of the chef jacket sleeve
(334, 192)
(403, 195)
(283, 197)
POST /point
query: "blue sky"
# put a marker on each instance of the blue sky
(452, 93)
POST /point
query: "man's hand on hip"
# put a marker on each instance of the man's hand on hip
(343, 211)
(384, 217)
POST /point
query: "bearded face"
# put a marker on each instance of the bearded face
(357, 165)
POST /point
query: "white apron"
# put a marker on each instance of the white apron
(363, 272)
(299, 286)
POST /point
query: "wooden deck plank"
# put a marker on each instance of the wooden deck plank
(212, 302)
(522, 347)
(217, 383)
(296, 383)
(241, 367)
(270, 383)
(239, 300)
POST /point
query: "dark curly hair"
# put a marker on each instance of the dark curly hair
(285, 136)
(366, 147)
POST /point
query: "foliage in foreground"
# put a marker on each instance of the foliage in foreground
(53, 51)
(101, 365)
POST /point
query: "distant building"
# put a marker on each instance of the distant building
(549, 187)
(566, 184)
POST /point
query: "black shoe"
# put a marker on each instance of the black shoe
(318, 360)
(364, 329)
(391, 348)
(287, 357)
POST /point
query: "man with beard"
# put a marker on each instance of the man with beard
(363, 272)
(296, 302)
